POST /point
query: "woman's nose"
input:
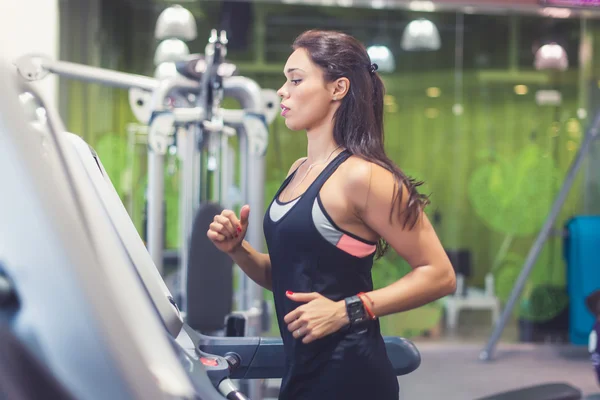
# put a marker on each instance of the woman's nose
(282, 92)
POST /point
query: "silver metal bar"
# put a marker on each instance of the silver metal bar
(35, 67)
(242, 302)
(156, 155)
(214, 165)
(255, 190)
(233, 117)
(155, 199)
(198, 156)
(245, 90)
(487, 353)
(189, 193)
(224, 171)
(252, 189)
(189, 115)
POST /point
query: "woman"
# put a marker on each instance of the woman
(340, 207)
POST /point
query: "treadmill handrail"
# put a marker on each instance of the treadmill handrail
(263, 358)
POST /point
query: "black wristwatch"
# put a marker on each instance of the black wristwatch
(356, 310)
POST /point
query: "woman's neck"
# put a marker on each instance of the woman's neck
(321, 144)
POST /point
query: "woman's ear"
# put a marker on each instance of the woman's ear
(339, 88)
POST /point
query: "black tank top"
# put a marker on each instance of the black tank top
(310, 253)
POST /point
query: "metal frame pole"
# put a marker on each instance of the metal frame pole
(155, 200)
(36, 67)
(591, 134)
(160, 137)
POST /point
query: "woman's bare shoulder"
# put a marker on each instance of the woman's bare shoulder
(360, 173)
(365, 182)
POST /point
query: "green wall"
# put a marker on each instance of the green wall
(492, 172)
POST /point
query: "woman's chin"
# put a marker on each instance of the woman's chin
(292, 126)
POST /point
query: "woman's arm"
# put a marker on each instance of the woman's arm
(432, 277)
(255, 264)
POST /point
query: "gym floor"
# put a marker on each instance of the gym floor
(451, 370)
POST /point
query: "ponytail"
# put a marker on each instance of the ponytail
(373, 150)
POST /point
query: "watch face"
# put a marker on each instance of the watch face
(356, 311)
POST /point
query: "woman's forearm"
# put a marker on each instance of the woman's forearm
(255, 264)
(419, 287)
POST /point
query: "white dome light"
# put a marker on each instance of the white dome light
(170, 50)
(421, 34)
(383, 57)
(551, 56)
(176, 22)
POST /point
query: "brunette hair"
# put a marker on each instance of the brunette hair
(358, 122)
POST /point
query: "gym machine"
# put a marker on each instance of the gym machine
(200, 134)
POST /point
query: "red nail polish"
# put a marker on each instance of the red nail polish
(289, 292)
(239, 228)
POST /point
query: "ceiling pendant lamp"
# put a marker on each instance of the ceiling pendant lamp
(176, 22)
(551, 56)
(421, 35)
(170, 50)
(383, 57)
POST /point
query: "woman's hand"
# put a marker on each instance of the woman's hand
(317, 318)
(227, 231)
